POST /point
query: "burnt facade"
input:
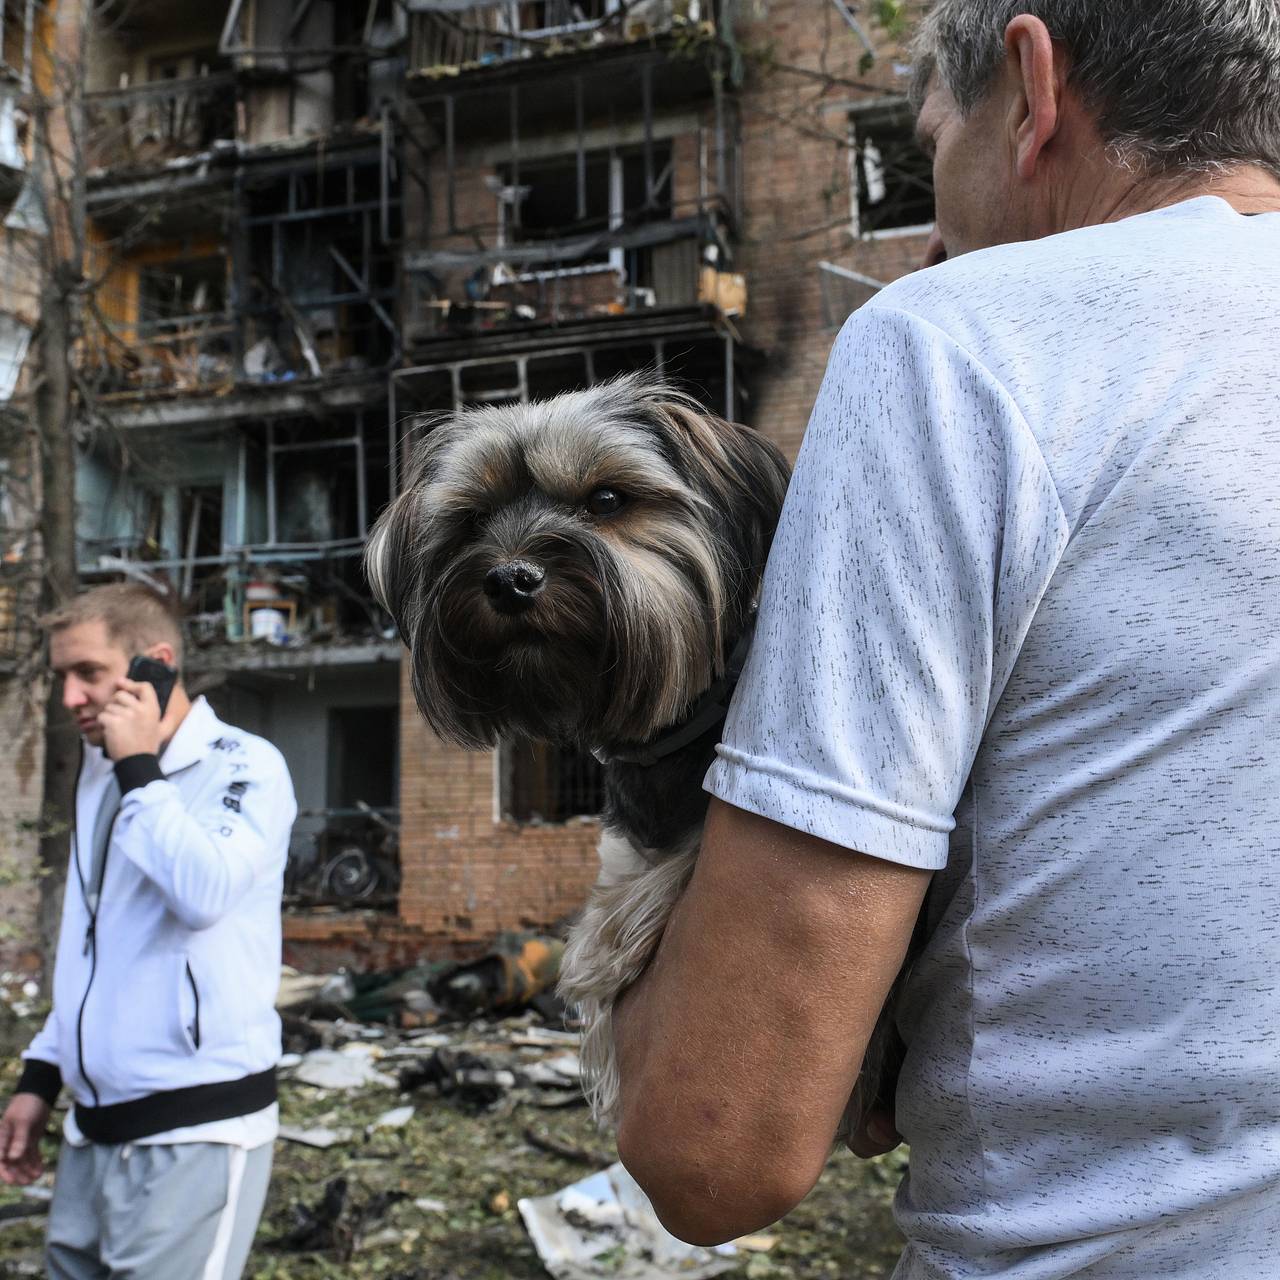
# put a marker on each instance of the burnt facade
(316, 227)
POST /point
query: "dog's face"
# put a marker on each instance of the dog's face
(571, 569)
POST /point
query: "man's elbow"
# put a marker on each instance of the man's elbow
(199, 918)
(200, 907)
(708, 1204)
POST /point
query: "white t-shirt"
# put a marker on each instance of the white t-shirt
(1020, 625)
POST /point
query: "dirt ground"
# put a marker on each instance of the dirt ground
(460, 1172)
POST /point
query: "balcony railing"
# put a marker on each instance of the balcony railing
(661, 265)
(442, 35)
(154, 123)
(182, 353)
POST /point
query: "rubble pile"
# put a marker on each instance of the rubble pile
(462, 1149)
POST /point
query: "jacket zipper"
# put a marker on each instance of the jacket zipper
(195, 991)
(91, 933)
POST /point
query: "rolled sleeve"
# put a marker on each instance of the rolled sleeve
(919, 532)
(819, 807)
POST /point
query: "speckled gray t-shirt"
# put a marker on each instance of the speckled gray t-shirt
(1020, 625)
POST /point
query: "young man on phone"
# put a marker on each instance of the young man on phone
(163, 1027)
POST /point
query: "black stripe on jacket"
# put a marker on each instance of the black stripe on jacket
(177, 1108)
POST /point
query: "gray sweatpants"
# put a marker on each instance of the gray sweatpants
(182, 1212)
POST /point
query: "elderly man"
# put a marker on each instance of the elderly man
(1018, 639)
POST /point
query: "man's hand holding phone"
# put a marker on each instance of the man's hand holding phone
(131, 721)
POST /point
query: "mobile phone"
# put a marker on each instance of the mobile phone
(155, 673)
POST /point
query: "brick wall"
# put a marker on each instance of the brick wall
(466, 874)
(802, 74)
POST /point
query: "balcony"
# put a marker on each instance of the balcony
(659, 267)
(150, 125)
(444, 37)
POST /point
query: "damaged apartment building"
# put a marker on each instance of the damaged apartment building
(318, 226)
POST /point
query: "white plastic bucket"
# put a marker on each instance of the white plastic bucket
(267, 624)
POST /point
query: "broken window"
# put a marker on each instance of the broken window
(321, 282)
(552, 200)
(184, 332)
(703, 363)
(200, 527)
(316, 480)
(892, 179)
(15, 44)
(535, 18)
(546, 782)
(454, 33)
(339, 732)
(177, 292)
(363, 751)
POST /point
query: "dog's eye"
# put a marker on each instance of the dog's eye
(604, 502)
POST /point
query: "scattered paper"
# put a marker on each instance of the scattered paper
(555, 1072)
(757, 1243)
(318, 1136)
(546, 1037)
(351, 1067)
(396, 1118)
(605, 1226)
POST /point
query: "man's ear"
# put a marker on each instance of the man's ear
(163, 652)
(1037, 117)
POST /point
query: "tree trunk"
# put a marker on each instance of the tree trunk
(54, 423)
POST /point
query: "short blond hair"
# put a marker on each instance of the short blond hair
(135, 617)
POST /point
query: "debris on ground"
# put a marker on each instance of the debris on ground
(604, 1226)
(352, 1067)
(337, 1222)
(34, 1204)
(465, 1077)
(305, 990)
(396, 1118)
(536, 1136)
(760, 1243)
(432, 1177)
(519, 969)
(319, 1136)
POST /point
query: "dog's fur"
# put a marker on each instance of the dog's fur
(636, 616)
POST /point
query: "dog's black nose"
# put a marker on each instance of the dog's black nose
(513, 587)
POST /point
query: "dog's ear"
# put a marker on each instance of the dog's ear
(732, 464)
(391, 552)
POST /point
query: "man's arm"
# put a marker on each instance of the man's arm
(24, 1120)
(204, 860)
(741, 1043)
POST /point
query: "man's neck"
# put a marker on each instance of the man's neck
(175, 713)
(1246, 188)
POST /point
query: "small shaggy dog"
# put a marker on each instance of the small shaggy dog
(586, 569)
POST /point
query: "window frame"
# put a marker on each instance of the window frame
(875, 109)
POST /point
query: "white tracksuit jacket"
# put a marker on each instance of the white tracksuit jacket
(163, 1003)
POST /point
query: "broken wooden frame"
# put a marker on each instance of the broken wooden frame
(693, 348)
(615, 116)
(467, 33)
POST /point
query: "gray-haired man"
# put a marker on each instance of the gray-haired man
(1018, 638)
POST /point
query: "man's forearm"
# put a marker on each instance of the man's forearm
(740, 1045)
(44, 1079)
